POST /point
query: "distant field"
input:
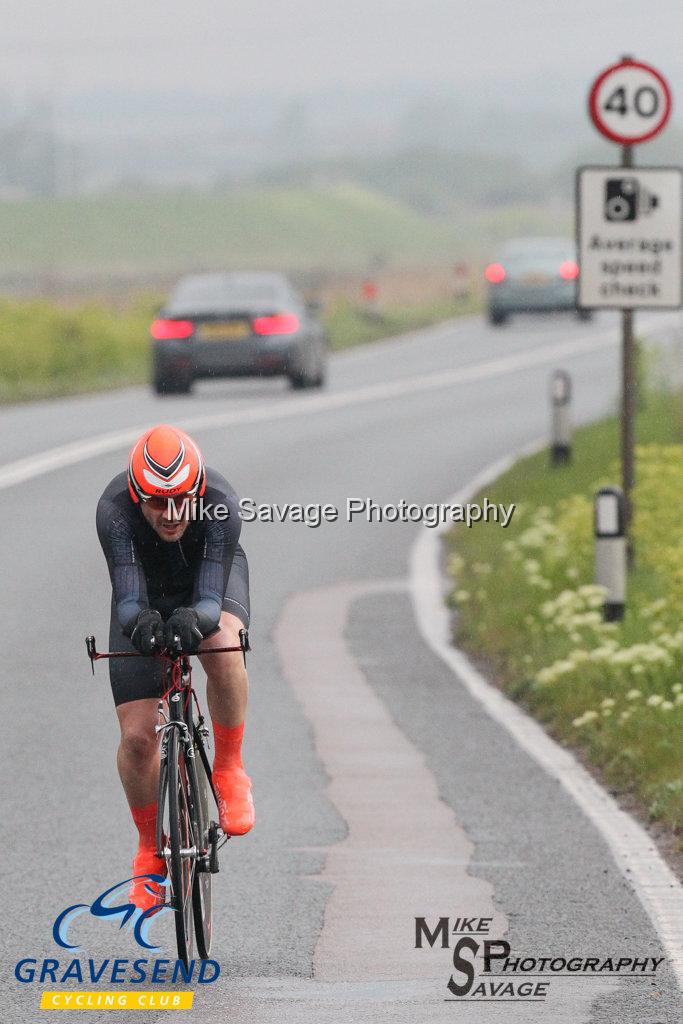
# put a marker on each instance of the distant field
(82, 276)
(158, 235)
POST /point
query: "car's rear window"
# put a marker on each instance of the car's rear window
(541, 255)
(222, 293)
(542, 261)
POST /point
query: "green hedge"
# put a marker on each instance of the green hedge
(47, 349)
(527, 606)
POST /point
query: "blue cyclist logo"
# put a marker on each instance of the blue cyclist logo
(105, 906)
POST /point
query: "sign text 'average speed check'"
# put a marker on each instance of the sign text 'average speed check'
(629, 237)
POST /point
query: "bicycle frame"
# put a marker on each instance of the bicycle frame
(179, 676)
(191, 862)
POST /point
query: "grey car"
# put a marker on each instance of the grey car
(533, 275)
(233, 325)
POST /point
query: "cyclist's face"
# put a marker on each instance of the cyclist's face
(169, 520)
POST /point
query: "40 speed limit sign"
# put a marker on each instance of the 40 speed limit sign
(630, 102)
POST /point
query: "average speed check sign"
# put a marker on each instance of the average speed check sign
(630, 102)
(629, 223)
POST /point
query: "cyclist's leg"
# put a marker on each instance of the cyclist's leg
(227, 690)
(136, 687)
(227, 682)
(138, 754)
(227, 686)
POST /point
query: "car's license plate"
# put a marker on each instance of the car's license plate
(225, 330)
(536, 279)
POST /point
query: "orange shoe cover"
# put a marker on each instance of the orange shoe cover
(146, 861)
(231, 782)
(145, 893)
(235, 804)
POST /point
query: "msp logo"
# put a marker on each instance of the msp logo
(486, 969)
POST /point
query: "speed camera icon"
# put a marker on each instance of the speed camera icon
(626, 200)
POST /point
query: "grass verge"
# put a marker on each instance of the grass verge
(48, 350)
(349, 324)
(527, 608)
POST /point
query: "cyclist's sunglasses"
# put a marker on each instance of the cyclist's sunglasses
(160, 503)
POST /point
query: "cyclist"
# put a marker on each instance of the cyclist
(174, 574)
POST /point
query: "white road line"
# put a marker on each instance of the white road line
(634, 852)
(52, 459)
(70, 454)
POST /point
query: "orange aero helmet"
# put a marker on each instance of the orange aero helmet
(165, 462)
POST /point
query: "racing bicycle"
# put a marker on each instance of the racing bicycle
(187, 838)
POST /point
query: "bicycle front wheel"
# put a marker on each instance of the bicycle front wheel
(181, 845)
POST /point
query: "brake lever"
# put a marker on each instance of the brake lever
(92, 651)
(244, 644)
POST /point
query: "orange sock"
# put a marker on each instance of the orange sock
(228, 740)
(145, 817)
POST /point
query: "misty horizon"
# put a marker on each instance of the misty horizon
(168, 96)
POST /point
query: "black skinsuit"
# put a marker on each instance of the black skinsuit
(206, 570)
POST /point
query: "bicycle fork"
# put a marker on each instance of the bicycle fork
(167, 724)
(210, 862)
(206, 858)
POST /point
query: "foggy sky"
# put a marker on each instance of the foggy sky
(297, 46)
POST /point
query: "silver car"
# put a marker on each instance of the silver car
(236, 324)
(533, 275)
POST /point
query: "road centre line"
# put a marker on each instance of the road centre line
(61, 456)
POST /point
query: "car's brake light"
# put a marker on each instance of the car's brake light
(279, 323)
(161, 330)
(495, 273)
(569, 270)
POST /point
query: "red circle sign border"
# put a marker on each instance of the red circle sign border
(593, 103)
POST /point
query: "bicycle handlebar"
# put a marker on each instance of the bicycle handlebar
(165, 654)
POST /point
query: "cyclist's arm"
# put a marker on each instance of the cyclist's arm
(127, 575)
(214, 568)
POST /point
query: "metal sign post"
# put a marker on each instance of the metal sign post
(628, 403)
(629, 233)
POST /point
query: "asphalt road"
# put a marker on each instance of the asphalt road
(383, 791)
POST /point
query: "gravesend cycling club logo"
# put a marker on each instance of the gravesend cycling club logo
(105, 907)
(112, 907)
(486, 970)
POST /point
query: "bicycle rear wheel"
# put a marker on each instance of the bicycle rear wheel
(201, 889)
(181, 841)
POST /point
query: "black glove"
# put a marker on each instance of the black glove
(183, 623)
(148, 633)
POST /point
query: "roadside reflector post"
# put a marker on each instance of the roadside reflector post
(462, 287)
(610, 549)
(370, 293)
(560, 414)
